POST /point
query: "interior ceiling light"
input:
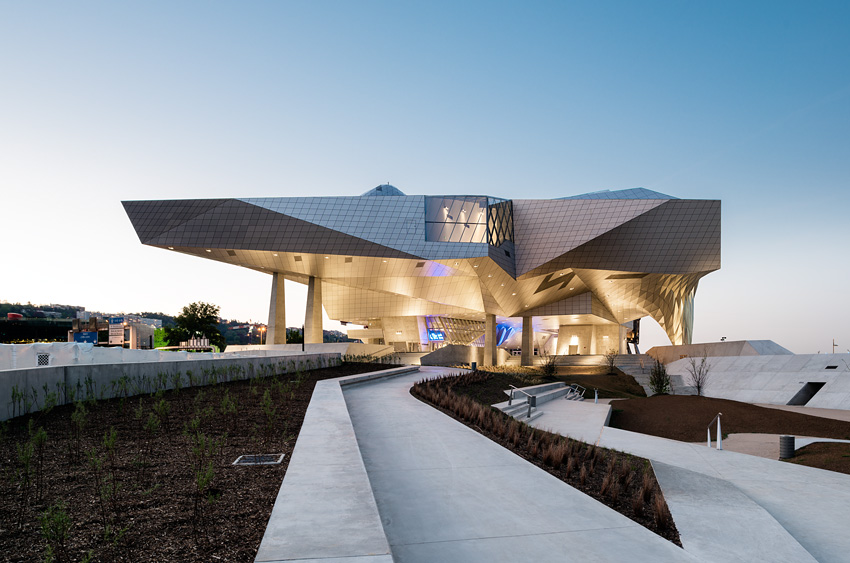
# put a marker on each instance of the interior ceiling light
(208, 250)
(514, 293)
(327, 257)
(274, 254)
(475, 266)
(572, 288)
(170, 248)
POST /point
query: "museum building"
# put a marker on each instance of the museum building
(560, 276)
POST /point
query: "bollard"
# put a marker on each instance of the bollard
(786, 447)
(532, 402)
(596, 396)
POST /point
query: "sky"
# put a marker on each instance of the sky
(746, 102)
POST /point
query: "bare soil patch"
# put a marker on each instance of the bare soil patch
(824, 455)
(140, 499)
(492, 390)
(685, 417)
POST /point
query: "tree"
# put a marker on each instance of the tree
(698, 373)
(196, 320)
(659, 381)
(610, 359)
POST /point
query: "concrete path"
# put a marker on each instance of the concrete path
(812, 505)
(445, 493)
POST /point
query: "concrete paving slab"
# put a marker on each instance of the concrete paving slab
(813, 505)
(458, 496)
(719, 523)
(355, 559)
(584, 419)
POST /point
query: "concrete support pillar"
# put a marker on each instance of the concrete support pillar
(490, 358)
(622, 332)
(527, 358)
(593, 348)
(276, 333)
(313, 316)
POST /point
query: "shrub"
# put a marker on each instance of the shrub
(611, 359)
(698, 373)
(661, 514)
(659, 381)
(55, 525)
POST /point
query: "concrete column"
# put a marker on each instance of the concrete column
(593, 340)
(622, 332)
(313, 316)
(527, 357)
(490, 358)
(276, 333)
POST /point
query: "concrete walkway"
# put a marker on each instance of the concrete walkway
(770, 510)
(446, 493)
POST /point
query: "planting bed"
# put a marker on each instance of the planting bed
(685, 417)
(824, 455)
(149, 478)
(623, 482)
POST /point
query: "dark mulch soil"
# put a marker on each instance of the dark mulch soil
(154, 473)
(615, 385)
(824, 455)
(618, 384)
(525, 445)
(685, 417)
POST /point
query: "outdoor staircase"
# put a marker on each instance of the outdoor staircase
(518, 406)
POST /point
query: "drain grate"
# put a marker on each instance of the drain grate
(259, 459)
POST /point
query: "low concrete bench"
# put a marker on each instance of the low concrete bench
(325, 509)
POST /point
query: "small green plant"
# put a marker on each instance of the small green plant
(55, 525)
(79, 420)
(162, 408)
(24, 478)
(659, 380)
(270, 411)
(203, 451)
(38, 439)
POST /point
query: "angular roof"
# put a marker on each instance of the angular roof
(631, 193)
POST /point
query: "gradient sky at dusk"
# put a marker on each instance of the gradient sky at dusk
(746, 102)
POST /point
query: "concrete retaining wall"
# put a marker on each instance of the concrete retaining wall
(775, 379)
(325, 509)
(669, 354)
(104, 381)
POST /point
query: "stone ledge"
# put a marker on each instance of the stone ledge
(325, 509)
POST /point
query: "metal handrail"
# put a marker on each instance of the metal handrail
(574, 390)
(719, 435)
(511, 397)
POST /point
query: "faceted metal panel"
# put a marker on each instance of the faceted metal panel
(546, 229)
(393, 222)
(152, 218)
(678, 236)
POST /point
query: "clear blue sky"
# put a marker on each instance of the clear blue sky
(744, 102)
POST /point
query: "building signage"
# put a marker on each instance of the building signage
(116, 331)
(86, 337)
(436, 335)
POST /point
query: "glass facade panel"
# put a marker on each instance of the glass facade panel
(469, 219)
(462, 218)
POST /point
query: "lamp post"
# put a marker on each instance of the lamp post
(262, 335)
